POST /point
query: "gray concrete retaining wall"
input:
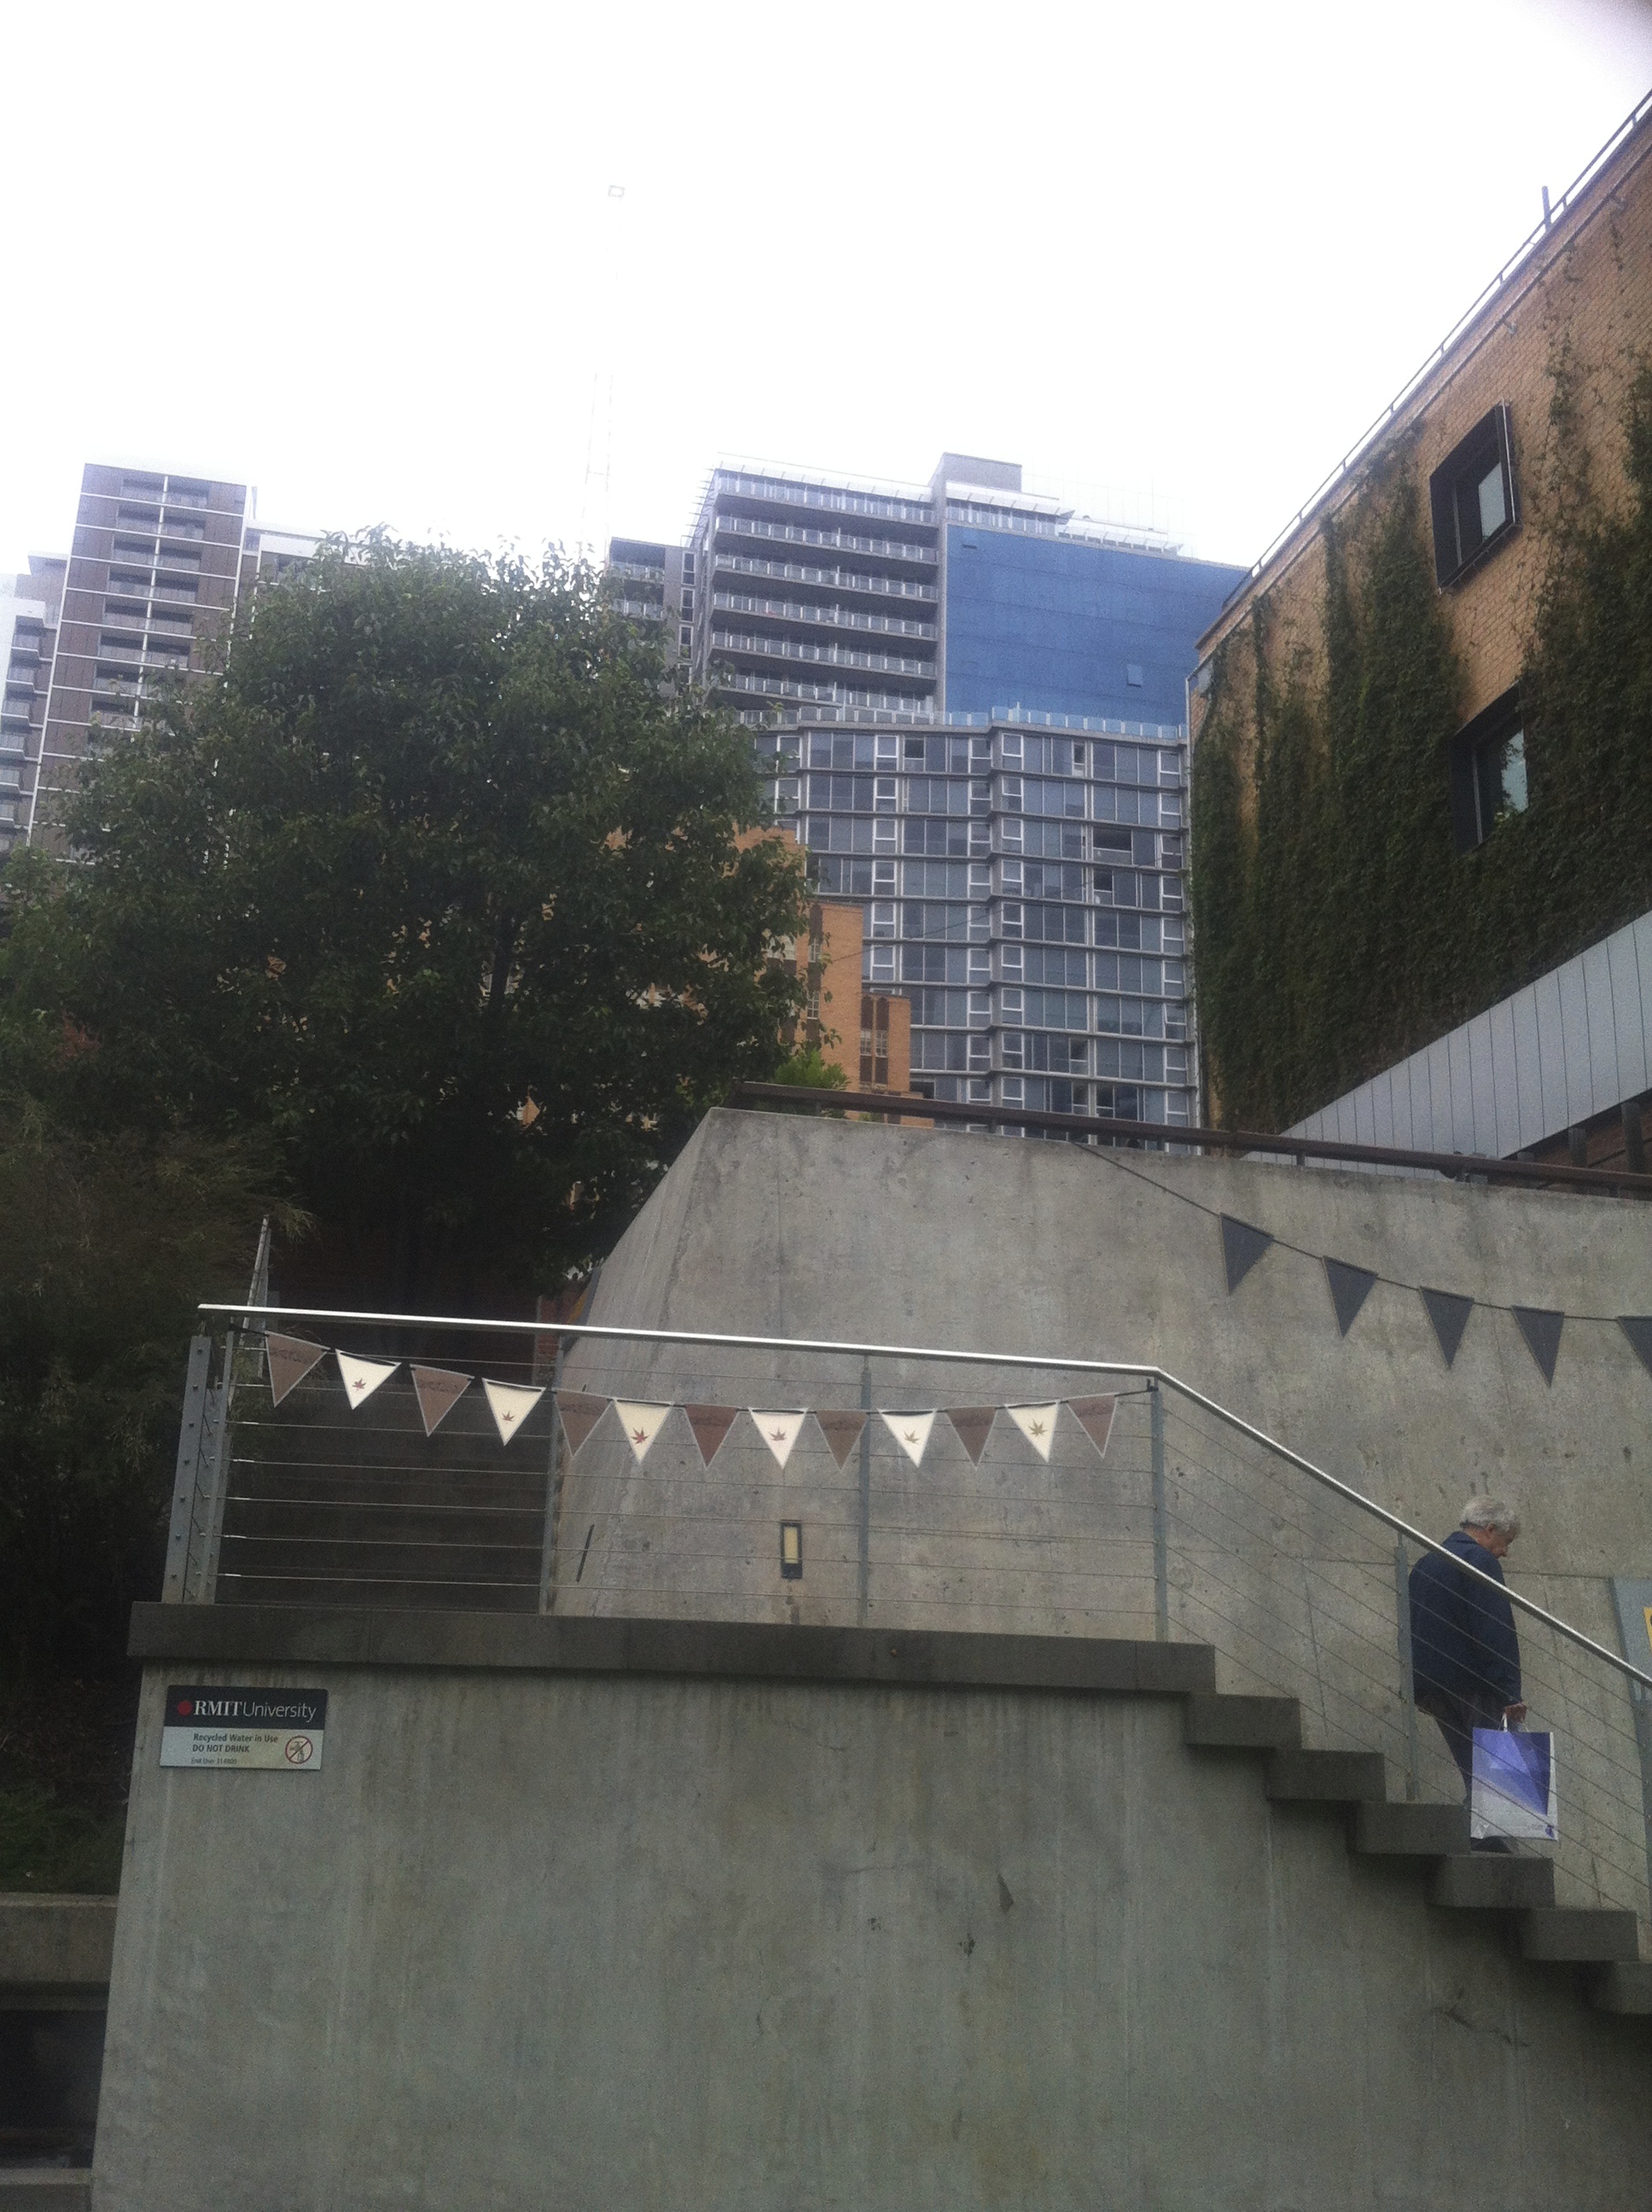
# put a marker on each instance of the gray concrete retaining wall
(628, 1940)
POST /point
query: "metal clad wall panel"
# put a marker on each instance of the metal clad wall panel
(1505, 1080)
(1482, 1086)
(1529, 1059)
(1630, 955)
(1569, 1046)
(1595, 966)
(1551, 1052)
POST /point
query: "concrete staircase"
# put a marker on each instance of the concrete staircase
(1607, 1949)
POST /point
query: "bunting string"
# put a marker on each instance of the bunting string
(1243, 1244)
(437, 1390)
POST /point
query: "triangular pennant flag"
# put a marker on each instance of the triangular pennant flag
(641, 1424)
(778, 1430)
(1242, 1248)
(974, 1424)
(510, 1406)
(842, 1431)
(1349, 1287)
(1638, 1327)
(1094, 1417)
(580, 1413)
(438, 1390)
(1037, 1423)
(290, 1360)
(710, 1424)
(1541, 1330)
(911, 1431)
(1448, 1310)
(363, 1376)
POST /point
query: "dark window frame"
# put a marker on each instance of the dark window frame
(1477, 759)
(1459, 549)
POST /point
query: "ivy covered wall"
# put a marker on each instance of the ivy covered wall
(1337, 927)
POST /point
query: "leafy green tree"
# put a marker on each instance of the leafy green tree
(438, 885)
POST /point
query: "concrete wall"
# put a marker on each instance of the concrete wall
(631, 1941)
(784, 1225)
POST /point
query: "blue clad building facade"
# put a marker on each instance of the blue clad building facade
(973, 703)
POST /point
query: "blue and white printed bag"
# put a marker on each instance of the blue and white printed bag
(1514, 1786)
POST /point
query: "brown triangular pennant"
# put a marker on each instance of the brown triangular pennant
(290, 1360)
(842, 1431)
(1094, 1417)
(438, 1390)
(1541, 1330)
(974, 1424)
(710, 1424)
(580, 1413)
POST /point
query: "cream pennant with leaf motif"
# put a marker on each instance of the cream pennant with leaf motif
(641, 1424)
(911, 1431)
(363, 1376)
(780, 1431)
(1037, 1423)
(510, 1406)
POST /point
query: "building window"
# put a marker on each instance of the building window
(1488, 771)
(1472, 494)
(1133, 674)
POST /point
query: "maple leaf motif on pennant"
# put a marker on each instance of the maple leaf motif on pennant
(779, 1435)
(639, 1435)
(1035, 1428)
(358, 1384)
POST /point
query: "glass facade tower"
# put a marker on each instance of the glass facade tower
(973, 703)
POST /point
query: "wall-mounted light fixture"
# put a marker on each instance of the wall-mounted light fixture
(791, 1551)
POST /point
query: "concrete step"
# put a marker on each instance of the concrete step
(1579, 1935)
(46, 2188)
(1327, 1777)
(1622, 1988)
(1219, 1723)
(1417, 1832)
(1487, 1881)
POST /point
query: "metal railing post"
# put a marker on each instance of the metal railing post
(553, 1493)
(863, 1577)
(1407, 1685)
(1161, 1528)
(173, 1586)
(215, 1471)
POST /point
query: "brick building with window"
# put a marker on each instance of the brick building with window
(1421, 797)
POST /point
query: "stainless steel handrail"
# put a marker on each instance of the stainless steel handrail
(847, 1348)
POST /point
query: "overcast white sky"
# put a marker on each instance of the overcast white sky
(1172, 257)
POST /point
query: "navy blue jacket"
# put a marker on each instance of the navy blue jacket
(1462, 1635)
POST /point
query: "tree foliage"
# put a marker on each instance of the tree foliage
(436, 887)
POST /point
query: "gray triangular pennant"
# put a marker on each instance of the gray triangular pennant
(1541, 1330)
(1349, 1287)
(1448, 1310)
(1638, 1327)
(1242, 1248)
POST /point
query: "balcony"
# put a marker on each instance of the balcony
(837, 541)
(786, 491)
(842, 579)
(830, 617)
(833, 656)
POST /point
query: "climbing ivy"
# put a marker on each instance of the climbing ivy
(1337, 929)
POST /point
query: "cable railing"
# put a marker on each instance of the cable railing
(892, 1485)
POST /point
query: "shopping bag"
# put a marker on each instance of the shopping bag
(1514, 1785)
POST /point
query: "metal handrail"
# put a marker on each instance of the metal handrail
(947, 1355)
(913, 1107)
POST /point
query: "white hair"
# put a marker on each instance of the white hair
(1491, 1513)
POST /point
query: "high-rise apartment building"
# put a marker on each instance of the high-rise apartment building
(157, 563)
(30, 606)
(973, 703)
